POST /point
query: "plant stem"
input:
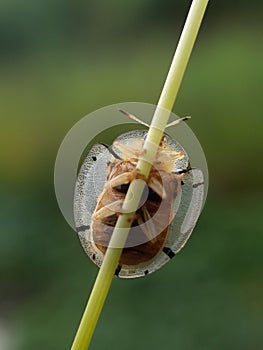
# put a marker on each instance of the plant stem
(133, 196)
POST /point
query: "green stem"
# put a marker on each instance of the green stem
(132, 199)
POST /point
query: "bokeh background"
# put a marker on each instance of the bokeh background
(60, 60)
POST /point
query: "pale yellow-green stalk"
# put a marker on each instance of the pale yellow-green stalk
(132, 199)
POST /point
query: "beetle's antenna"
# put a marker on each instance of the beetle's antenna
(177, 121)
(131, 116)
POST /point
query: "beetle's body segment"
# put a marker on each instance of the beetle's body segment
(150, 212)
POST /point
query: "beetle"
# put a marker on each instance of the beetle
(168, 211)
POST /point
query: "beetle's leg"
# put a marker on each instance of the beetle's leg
(144, 227)
(131, 151)
(157, 187)
(169, 156)
(166, 159)
(108, 210)
(146, 224)
(121, 179)
(183, 171)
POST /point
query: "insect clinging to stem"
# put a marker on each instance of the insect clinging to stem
(168, 211)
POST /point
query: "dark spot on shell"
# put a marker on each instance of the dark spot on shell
(117, 271)
(82, 228)
(168, 251)
(94, 158)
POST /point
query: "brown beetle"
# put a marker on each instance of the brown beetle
(153, 233)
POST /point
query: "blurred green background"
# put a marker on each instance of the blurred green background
(60, 60)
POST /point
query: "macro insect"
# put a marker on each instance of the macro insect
(168, 211)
